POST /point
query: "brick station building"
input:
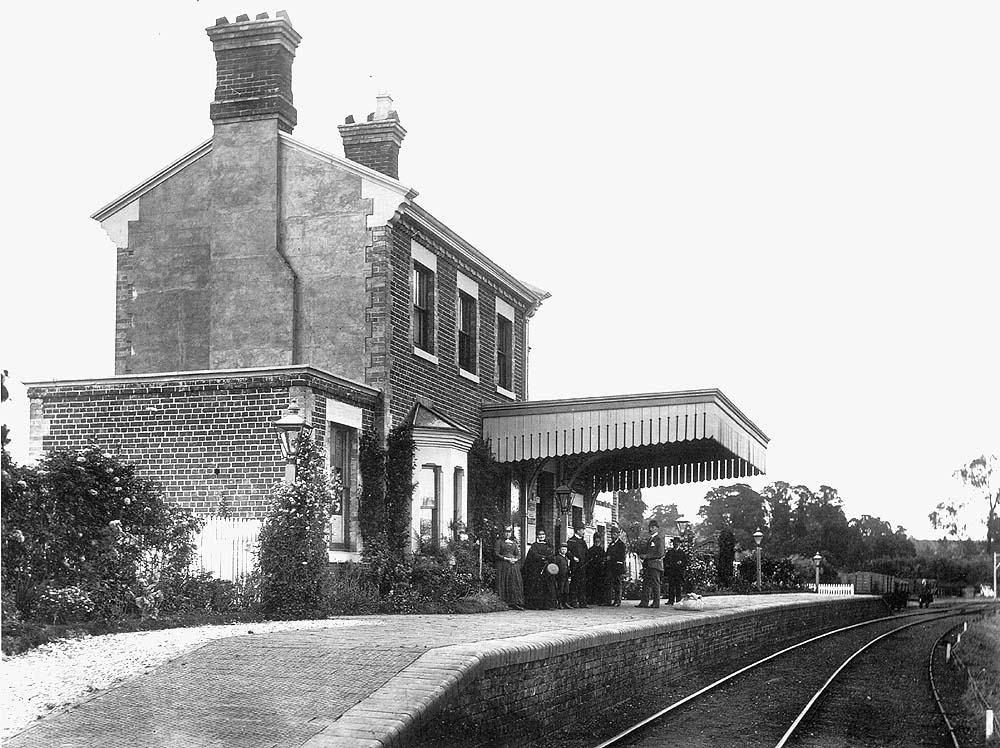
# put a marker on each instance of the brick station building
(256, 270)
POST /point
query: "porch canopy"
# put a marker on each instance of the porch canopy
(630, 441)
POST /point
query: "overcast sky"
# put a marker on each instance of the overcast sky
(795, 202)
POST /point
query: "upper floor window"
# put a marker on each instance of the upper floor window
(423, 307)
(467, 332)
(505, 352)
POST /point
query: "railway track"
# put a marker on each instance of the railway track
(863, 685)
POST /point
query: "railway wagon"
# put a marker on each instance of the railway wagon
(871, 582)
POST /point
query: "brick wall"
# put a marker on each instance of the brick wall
(206, 438)
(523, 691)
(412, 377)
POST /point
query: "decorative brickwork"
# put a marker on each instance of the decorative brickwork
(254, 70)
(124, 310)
(206, 437)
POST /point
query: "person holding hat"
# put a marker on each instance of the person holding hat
(539, 588)
(651, 553)
(562, 560)
(577, 548)
(614, 565)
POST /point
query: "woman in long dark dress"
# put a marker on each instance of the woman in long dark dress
(538, 588)
(596, 586)
(509, 586)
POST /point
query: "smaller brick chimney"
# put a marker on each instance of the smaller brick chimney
(375, 143)
(254, 69)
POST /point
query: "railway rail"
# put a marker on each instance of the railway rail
(858, 685)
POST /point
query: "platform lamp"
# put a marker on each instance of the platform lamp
(757, 538)
(683, 523)
(817, 560)
(291, 427)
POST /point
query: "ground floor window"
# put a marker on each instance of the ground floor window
(430, 503)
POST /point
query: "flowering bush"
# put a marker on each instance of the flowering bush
(86, 519)
(292, 561)
(64, 605)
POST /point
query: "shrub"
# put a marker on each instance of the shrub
(292, 561)
(86, 519)
(64, 605)
(350, 591)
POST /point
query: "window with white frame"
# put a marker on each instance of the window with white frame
(468, 324)
(423, 298)
(505, 346)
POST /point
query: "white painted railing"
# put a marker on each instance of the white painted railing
(227, 547)
(836, 589)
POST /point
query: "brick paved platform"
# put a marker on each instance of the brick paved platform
(363, 686)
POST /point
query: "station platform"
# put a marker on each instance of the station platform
(379, 681)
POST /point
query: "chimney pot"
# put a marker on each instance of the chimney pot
(222, 21)
(262, 16)
(242, 17)
(383, 106)
(375, 143)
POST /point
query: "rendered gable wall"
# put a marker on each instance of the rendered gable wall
(324, 233)
(163, 290)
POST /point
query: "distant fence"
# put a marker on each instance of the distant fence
(227, 547)
(836, 589)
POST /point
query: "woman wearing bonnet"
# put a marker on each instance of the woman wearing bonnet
(509, 586)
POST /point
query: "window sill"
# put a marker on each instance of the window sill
(334, 556)
(506, 393)
(468, 375)
(421, 353)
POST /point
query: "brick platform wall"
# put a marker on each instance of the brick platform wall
(206, 438)
(510, 704)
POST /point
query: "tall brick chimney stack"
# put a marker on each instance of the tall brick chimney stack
(254, 69)
(375, 143)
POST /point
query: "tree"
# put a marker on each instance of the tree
(737, 507)
(779, 497)
(631, 510)
(977, 475)
(666, 515)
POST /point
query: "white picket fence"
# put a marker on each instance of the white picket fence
(836, 589)
(227, 547)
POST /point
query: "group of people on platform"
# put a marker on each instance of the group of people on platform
(576, 575)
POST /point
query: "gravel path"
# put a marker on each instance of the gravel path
(60, 674)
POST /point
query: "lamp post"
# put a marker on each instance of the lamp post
(817, 559)
(683, 523)
(757, 538)
(291, 427)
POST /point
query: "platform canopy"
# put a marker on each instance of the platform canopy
(630, 441)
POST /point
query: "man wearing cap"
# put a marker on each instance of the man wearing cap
(651, 554)
(577, 548)
(675, 560)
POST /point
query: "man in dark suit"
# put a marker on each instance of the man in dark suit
(577, 548)
(675, 562)
(615, 565)
(652, 564)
